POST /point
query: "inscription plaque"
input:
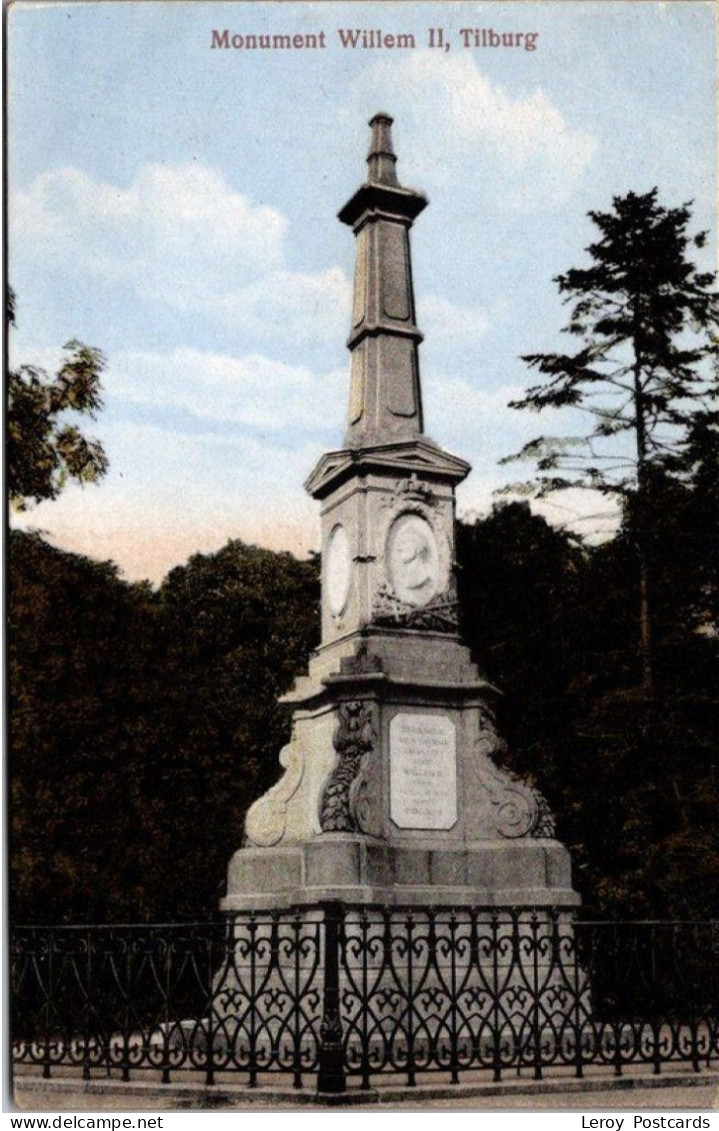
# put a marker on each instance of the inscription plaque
(422, 771)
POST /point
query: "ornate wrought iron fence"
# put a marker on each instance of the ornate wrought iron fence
(350, 993)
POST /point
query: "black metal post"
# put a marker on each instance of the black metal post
(580, 985)
(496, 1029)
(86, 1007)
(331, 1069)
(48, 1004)
(535, 924)
(208, 987)
(453, 1013)
(124, 965)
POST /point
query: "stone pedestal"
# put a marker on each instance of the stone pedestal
(359, 870)
(392, 793)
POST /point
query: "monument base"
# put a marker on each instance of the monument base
(356, 869)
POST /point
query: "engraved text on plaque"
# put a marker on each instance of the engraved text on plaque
(423, 771)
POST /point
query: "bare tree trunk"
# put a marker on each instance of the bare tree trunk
(642, 519)
(645, 624)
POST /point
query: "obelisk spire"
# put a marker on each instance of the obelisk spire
(385, 396)
(381, 159)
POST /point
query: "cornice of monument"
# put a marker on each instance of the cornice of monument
(393, 202)
(382, 196)
(375, 329)
(420, 455)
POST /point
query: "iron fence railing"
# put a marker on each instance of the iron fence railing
(342, 993)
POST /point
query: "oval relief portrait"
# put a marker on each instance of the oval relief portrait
(338, 569)
(413, 559)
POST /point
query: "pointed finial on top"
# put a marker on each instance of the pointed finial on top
(381, 159)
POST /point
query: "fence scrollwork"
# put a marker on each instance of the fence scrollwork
(348, 994)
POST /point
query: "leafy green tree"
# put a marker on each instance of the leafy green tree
(644, 786)
(695, 510)
(46, 448)
(646, 320)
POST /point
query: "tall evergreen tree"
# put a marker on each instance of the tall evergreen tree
(646, 320)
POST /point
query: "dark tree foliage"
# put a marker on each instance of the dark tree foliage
(646, 319)
(693, 509)
(652, 844)
(553, 625)
(236, 628)
(143, 724)
(517, 586)
(77, 639)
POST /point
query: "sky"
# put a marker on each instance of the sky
(174, 204)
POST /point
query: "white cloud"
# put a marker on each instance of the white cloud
(526, 135)
(172, 226)
(475, 422)
(307, 308)
(253, 390)
(443, 322)
(181, 236)
(591, 514)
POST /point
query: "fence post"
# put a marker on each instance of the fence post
(331, 1072)
(47, 1004)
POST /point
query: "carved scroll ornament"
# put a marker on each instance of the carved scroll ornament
(519, 809)
(266, 819)
(353, 739)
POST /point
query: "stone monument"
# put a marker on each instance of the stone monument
(392, 790)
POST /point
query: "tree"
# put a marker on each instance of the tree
(550, 621)
(644, 315)
(696, 510)
(80, 660)
(142, 724)
(234, 629)
(517, 586)
(45, 449)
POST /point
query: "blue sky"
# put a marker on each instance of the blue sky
(175, 205)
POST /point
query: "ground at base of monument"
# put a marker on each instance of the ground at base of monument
(680, 1090)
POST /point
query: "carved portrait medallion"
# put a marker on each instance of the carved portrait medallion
(412, 557)
(338, 571)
